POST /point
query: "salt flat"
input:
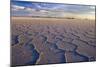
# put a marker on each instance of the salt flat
(52, 40)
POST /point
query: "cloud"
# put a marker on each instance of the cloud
(30, 9)
(50, 9)
(92, 7)
(21, 10)
(16, 7)
(79, 9)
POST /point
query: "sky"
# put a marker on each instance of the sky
(43, 9)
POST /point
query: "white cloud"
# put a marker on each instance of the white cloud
(19, 8)
(92, 7)
(16, 7)
(30, 9)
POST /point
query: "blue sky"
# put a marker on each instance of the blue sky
(24, 8)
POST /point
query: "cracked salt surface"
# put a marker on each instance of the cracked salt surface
(49, 41)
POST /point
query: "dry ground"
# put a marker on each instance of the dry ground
(52, 40)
